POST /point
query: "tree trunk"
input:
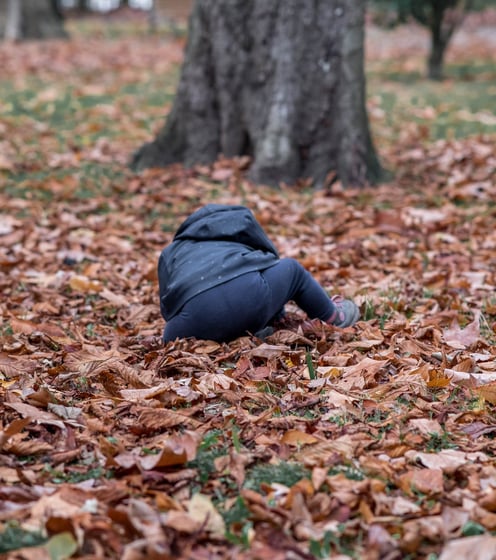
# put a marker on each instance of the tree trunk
(443, 18)
(152, 18)
(13, 20)
(280, 81)
(439, 40)
(436, 57)
(37, 19)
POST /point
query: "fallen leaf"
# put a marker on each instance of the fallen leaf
(459, 338)
(480, 547)
(202, 510)
(175, 450)
(298, 438)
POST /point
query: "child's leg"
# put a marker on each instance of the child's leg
(288, 280)
(224, 312)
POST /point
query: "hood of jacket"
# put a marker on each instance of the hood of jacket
(221, 222)
(214, 245)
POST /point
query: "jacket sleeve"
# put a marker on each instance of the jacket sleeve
(163, 279)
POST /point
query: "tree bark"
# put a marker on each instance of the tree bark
(442, 17)
(280, 81)
(440, 36)
(31, 19)
(435, 61)
(13, 21)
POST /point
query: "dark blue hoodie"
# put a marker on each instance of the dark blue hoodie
(215, 244)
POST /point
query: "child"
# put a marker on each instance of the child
(222, 278)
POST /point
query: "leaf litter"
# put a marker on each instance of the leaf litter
(375, 441)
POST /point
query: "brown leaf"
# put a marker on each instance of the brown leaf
(268, 351)
(115, 299)
(317, 454)
(36, 415)
(459, 338)
(477, 429)
(13, 428)
(28, 327)
(298, 438)
(148, 393)
(447, 459)
(488, 392)
(182, 522)
(480, 547)
(157, 419)
(427, 481)
(175, 450)
(426, 426)
(202, 510)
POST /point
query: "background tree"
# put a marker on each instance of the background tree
(280, 81)
(31, 19)
(441, 17)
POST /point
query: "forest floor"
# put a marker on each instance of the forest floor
(371, 442)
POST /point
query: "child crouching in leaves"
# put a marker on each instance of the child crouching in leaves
(221, 278)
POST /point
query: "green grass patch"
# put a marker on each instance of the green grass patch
(437, 441)
(335, 542)
(73, 476)
(51, 117)
(91, 180)
(472, 528)
(287, 473)
(13, 537)
(349, 471)
(462, 105)
(211, 447)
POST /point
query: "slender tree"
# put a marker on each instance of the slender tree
(31, 19)
(12, 20)
(280, 81)
(442, 18)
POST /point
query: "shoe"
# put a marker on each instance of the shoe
(346, 313)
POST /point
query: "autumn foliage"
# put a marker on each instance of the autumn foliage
(371, 442)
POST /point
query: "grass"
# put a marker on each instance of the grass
(283, 473)
(59, 477)
(349, 471)
(13, 537)
(74, 121)
(67, 116)
(436, 442)
(334, 541)
(458, 107)
(211, 447)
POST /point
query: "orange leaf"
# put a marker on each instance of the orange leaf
(13, 428)
(427, 481)
(28, 327)
(176, 450)
(297, 437)
(437, 378)
(84, 284)
(488, 392)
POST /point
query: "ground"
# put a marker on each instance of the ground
(375, 441)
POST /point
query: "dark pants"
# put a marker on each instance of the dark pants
(248, 303)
